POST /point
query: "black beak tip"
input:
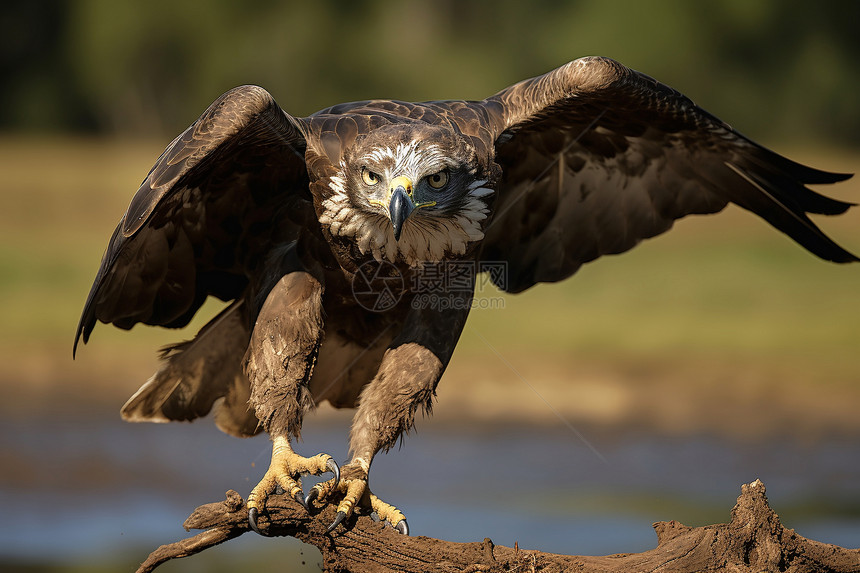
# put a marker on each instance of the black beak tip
(399, 209)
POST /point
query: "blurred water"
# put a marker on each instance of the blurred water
(115, 490)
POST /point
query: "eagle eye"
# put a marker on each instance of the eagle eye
(369, 177)
(439, 179)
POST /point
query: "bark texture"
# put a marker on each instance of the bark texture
(753, 541)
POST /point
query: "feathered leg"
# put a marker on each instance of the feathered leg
(406, 381)
(279, 362)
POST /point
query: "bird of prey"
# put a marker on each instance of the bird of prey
(290, 219)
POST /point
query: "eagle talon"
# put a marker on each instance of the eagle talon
(316, 492)
(341, 515)
(312, 495)
(402, 527)
(252, 521)
(333, 468)
(299, 497)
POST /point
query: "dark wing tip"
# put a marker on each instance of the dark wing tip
(775, 189)
(832, 252)
(837, 177)
(81, 331)
(810, 175)
(88, 315)
(799, 176)
(817, 176)
(88, 318)
(85, 326)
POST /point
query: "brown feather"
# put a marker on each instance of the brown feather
(597, 157)
(198, 373)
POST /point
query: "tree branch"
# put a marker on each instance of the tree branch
(754, 540)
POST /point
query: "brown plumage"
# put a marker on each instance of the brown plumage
(282, 215)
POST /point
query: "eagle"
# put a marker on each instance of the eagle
(294, 221)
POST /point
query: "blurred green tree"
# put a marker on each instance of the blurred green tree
(775, 68)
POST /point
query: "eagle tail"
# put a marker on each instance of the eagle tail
(200, 374)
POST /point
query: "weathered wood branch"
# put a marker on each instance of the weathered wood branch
(754, 540)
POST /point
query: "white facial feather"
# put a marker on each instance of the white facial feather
(425, 237)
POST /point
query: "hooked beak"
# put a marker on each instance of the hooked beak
(400, 205)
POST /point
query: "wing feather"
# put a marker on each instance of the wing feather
(201, 220)
(597, 157)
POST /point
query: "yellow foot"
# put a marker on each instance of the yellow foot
(284, 472)
(353, 488)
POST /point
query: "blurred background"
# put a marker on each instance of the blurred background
(647, 388)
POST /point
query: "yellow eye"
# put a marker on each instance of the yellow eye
(369, 177)
(438, 179)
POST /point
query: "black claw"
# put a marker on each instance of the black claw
(337, 520)
(312, 495)
(332, 467)
(402, 527)
(252, 521)
(301, 499)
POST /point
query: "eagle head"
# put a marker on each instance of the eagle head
(409, 192)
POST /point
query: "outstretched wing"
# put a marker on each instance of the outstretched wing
(597, 157)
(202, 220)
